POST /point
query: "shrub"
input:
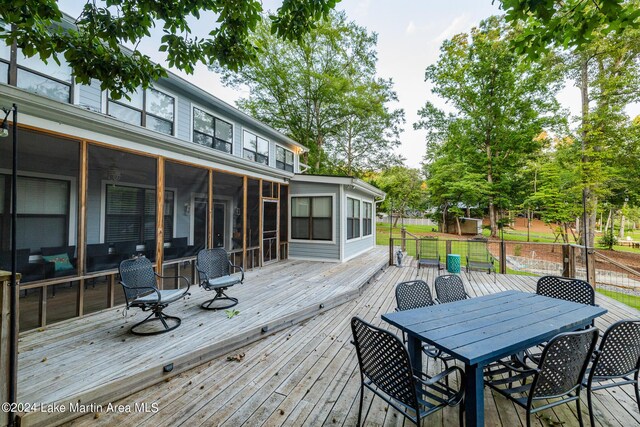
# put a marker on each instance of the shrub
(517, 250)
(608, 240)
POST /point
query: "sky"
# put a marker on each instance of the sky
(409, 32)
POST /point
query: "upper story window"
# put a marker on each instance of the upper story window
(367, 218)
(353, 218)
(284, 159)
(211, 131)
(51, 80)
(255, 148)
(152, 109)
(5, 60)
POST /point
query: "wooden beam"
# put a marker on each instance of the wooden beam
(244, 221)
(160, 215)
(210, 211)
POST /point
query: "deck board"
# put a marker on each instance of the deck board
(307, 373)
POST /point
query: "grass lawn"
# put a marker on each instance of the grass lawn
(630, 300)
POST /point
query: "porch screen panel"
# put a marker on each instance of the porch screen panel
(121, 208)
(186, 224)
(47, 226)
(228, 213)
(47, 202)
(253, 213)
(284, 213)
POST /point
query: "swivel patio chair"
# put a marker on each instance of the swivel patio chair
(558, 376)
(616, 361)
(140, 290)
(416, 294)
(449, 288)
(385, 369)
(214, 272)
(429, 255)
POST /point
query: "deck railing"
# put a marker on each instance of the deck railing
(607, 273)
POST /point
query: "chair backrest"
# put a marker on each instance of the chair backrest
(563, 363)
(413, 294)
(384, 360)
(429, 248)
(619, 350)
(574, 290)
(478, 251)
(138, 276)
(213, 262)
(449, 288)
(22, 259)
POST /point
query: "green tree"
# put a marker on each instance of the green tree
(93, 47)
(501, 102)
(405, 189)
(568, 23)
(323, 93)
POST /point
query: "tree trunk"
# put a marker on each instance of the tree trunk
(458, 226)
(589, 215)
(606, 227)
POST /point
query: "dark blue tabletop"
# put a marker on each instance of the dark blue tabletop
(483, 329)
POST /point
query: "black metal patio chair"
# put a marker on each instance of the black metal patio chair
(385, 369)
(429, 255)
(558, 376)
(214, 273)
(415, 294)
(449, 288)
(616, 361)
(567, 289)
(139, 282)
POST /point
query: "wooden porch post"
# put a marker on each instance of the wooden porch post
(5, 339)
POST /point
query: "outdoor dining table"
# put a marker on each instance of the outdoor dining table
(478, 331)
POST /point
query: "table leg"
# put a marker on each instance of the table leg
(474, 396)
(415, 353)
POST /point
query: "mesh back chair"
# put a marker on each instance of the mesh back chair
(563, 288)
(139, 283)
(574, 290)
(416, 294)
(429, 255)
(616, 361)
(385, 369)
(558, 376)
(214, 272)
(449, 288)
(478, 256)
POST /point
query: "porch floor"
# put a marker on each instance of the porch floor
(308, 375)
(95, 359)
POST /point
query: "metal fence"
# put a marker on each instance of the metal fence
(615, 274)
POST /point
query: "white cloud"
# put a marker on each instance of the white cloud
(411, 28)
(458, 25)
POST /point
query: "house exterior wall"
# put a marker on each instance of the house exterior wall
(356, 246)
(320, 250)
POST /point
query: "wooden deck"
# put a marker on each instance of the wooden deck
(96, 360)
(307, 375)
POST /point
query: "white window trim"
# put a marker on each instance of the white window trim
(333, 219)
(258, 135)
(275, 157)
(215, 115)
(346, 204)
(103, 201)
(73, 197)
(362, 218)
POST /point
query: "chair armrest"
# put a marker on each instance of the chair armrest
(430, 381)
(154, 289)
(176, 277)
(239, 268)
